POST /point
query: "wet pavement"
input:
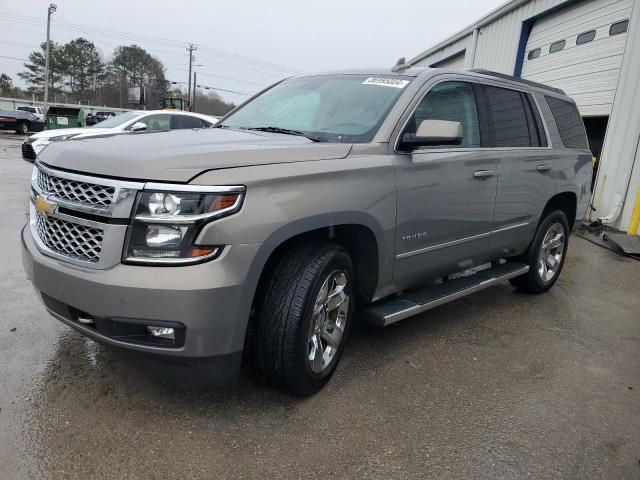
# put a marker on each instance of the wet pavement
(498, 385)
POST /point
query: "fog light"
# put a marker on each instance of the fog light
(159, 236)
(161, 332)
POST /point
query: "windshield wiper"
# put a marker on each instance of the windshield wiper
(287, 131)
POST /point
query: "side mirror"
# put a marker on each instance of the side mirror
(434, 132)
(138, 127)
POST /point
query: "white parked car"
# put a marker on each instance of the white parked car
(134, 121)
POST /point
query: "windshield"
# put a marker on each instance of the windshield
(117, 120)
(337, 108)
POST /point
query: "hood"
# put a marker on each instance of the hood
(67, 131)
(180, 155)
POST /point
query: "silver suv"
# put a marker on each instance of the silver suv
(382, 192)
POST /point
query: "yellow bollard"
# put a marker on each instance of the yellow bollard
(635, 216)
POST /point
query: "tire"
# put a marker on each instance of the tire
(293, 326)
(22, 128)
(543, 274)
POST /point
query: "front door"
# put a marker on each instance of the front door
(445, 194)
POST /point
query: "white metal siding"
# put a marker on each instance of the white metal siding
(588, 72)
(445, 52)
(497, 41)
(619, 172)
(455, 62)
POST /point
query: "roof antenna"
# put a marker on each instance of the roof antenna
(401, 64)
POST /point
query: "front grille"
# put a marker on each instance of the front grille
(70, 239)
(28, 153)
(99, 196)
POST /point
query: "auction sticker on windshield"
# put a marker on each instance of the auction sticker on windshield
(386, 82)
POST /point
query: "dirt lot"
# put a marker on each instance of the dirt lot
(498, 385)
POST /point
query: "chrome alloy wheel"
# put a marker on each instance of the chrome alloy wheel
(551, 252)
(330, 312)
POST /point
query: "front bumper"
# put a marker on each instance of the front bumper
(211, 300)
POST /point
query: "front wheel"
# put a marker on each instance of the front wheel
(304, 317)
(22, 128)
(545, 255)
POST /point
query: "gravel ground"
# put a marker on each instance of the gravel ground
(498, 385)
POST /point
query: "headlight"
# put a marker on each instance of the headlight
(167, 222)
(62, 137)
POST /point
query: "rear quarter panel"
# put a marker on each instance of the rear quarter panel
(573, 168)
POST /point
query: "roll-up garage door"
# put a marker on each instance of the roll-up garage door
(579, 49)
(454, 62)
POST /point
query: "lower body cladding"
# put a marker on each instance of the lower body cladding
(197, 313)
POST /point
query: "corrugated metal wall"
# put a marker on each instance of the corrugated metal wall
(619, 172)
(455, 62)
(588, 72)
(448, 51)
(498, 41)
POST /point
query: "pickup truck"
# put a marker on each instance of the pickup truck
(37, 111)
(386, 192)
(20, 121)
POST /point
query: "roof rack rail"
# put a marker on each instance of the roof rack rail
(516, 79)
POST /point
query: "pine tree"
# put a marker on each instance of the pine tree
(34, 73)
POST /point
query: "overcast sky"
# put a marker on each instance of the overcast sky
(253, 43)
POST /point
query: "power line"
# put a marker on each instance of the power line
(223, 77)
(216, 88)
(151, 39)
(161, 51)
(208, 52)
(211, 58)
(14, 58)
(252, 60)
(20, 44)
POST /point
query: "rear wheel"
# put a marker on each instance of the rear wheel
(304, 317)
(545, 255)
(22, 128)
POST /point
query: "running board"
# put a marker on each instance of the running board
(386, 312)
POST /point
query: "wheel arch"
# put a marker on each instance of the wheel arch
(567, 202)
(357, 232)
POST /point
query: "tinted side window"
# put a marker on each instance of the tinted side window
(185, 121)
(537, 120)
(156, 122)
(569, 123)
(453, 101)
(507, 118)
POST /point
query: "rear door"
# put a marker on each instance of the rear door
(445, 194)
(526, 169)
(187, 121)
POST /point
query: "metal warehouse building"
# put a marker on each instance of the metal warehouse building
(591, 50)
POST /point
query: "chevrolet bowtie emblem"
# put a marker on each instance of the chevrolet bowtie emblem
(44, 207)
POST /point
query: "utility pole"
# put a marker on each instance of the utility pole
(191, 49)
(52, 8)
(194, 91)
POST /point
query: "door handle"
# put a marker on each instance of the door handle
(483, 173)
(543, 168)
